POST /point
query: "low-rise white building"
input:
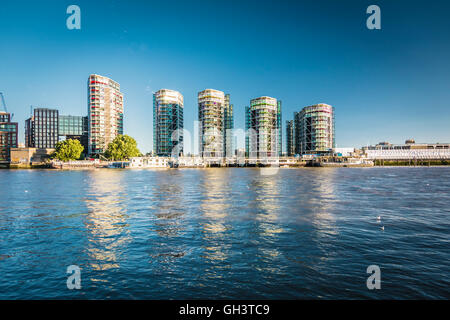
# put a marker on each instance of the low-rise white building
(344, 152)
(149, 162)
(419, 154)
(193, 162)
(409, 150)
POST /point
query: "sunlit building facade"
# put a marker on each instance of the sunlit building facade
(314, 129)
(215, 115)
(105, 113)
(42, 129)
(228, 138)
(29, 137)
(263, 126)
(8, 136)
(168, 123)
(290, 138)
(410, 150)
(75, 128)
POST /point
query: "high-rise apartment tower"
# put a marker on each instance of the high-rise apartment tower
(314, 129)
(167, 123)
(215, 115)
(263, 125)
(105, 113)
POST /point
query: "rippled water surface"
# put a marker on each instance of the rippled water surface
(225, 233)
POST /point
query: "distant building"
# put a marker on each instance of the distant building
(344, 152)
(263, 126)
(150, 162)
(41, 129)
(75, 128)
(314, 129)
(215, 115)
(72, 125)
(290, 146)
(408, 151)
(168, 122)
(28, 156)
(29, 134)
(228, 138)
(5, 116)
(409, 145)
(105, 113)
(8, 136)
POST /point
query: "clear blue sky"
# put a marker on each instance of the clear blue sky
(388, 84)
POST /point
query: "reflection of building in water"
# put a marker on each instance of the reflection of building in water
(266, 191)
(323, 189)
(318, 211)
(106, 220)
(267, 200)
(215, 206)
(169, 207)
(168, 210)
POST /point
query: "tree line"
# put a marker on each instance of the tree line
(121, 148)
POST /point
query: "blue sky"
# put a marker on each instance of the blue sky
(386, 85)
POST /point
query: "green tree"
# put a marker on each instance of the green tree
(122, 147)
(68, 150)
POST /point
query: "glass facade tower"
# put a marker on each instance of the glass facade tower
(228, 138)
(290, 146)
(74, 127)
(215, 115)
(8, 136)
(168, 123)
(41, 130)
(314, 129)
(263, 126)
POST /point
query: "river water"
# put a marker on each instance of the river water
(225, 233)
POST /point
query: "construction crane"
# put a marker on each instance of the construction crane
(3, 102)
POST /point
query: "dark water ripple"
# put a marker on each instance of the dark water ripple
(225, 233)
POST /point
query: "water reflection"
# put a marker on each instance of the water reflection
(224, 233)
(267, 198)
(318, 207)
(106, 219)
(169, 212)
(168, 206)
(267, 194)
(215, 207)
(323, 189)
